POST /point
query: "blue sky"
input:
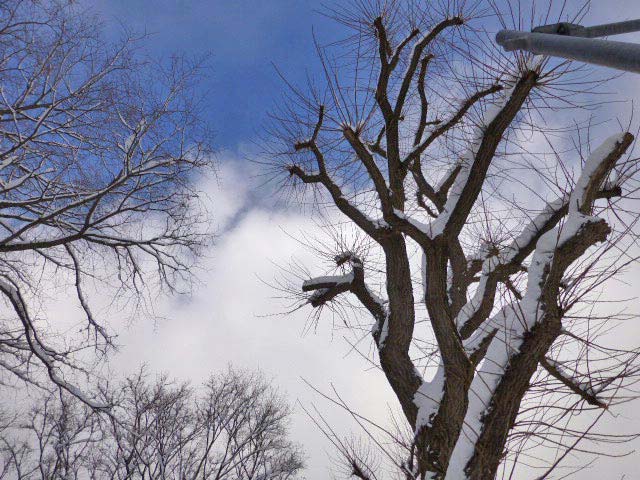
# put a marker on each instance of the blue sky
(245, 38)
(229, 318)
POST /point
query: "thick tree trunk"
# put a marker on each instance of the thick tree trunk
(435, 443)
(395, 338)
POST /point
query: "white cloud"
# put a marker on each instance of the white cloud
(234, 318)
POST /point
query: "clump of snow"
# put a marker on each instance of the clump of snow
(502, 347)
(427, 398)
(328, 280)
(471, 307)
(384, 333)
(444, 178)
(423, 270)
(134, 137)
(590, 168)
(416, 223)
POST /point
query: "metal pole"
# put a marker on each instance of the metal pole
(618, 55)
(613, 29)
(596, 31)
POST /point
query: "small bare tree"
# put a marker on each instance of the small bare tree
(234, 428)
(98, 154)
(483, 235)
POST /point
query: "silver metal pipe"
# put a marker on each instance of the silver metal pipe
(618, 55)
(573, 30)
(613, 29)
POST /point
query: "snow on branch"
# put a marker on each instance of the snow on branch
(437, 227)
(506, 330)
(587, 189)
(480, 153)
(497, 266)
(46, 355)
(326, 288)
(428, 397)
(513, 326)
(438, 195)
(595, 170)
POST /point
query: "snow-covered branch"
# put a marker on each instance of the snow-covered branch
(326, 288)
(48, 357)
(532, 324)
(498, 266)
(469, 181)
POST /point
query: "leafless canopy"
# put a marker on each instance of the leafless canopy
(233, 428)
(97, 165)
(485, 231)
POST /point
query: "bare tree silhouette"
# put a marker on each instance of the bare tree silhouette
(97, 165)
(236, 426)
(479, 231)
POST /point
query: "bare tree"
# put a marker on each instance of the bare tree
(99, 149)
(485, 231)
(233, 428)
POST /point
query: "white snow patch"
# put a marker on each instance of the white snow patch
(427, 398)
(590, 167)
(384, 332)
(328, 280)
